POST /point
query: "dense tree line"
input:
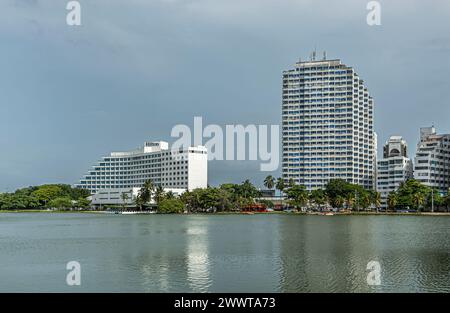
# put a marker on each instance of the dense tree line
(59, 196)
(414, 195)
(236, 197)
(411, 195)
(227, 197)
(337, 193)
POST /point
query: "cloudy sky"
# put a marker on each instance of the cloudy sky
(136, 68)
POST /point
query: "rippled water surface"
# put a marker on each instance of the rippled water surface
(232, 253)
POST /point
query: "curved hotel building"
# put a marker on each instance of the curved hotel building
(120, 172)
(328, 125)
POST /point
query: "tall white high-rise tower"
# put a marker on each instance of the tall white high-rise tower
(328, 125)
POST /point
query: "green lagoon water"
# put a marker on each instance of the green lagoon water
(223, 253)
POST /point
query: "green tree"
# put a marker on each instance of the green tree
(339, 202)
(350, 200)
(170, 195)
(269, 182)
(267, 203)
(280, 186)
(365, 200)
(190, 200)
(376, 200)
(247, 190)
(159, 194)
(412, 194)
(291, 183)
(83, 203)
(447, 201)
(224, 202)
(298, 196)
(147, 191)
(60, 203)
(392, 200)
(139, 200)
(46, 193)
(418, 199)
(168, 206)
(337, 191)
(125, 197)
(319, 197)
(434, 199)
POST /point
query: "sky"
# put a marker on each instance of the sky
(134, 69)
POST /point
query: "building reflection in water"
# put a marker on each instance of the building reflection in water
(322, 254)
(330, 254)
(197, 257)
(288, 253)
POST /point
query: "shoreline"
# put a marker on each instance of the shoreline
(247, 213)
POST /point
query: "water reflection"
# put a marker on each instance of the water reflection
(197, 255)
(259, 253)
(321, 254)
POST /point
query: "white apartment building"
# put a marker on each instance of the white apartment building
(119, 172)
(432, 161)
(328, 125)
(394, 169)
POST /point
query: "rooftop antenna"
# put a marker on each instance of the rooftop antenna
(314, 55)
(324, 55)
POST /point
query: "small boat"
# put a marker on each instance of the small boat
(329, 214)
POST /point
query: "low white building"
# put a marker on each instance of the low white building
(120, 172)
(394, 169)
(115, 197)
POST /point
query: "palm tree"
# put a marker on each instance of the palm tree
(139, 199)
(280, 186)
(447, 201)
(146, 192)
(418, 200)
(318, 197)
(298, 196)
(365, 201)
(377, 200)
(350, 200)
(269, 182)
(150, 188)
(124, 197)
(392, 200)
(170, 195)
(339, 202)
(224, 199)
(291, 182)
(148, 184)
(159, 194)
